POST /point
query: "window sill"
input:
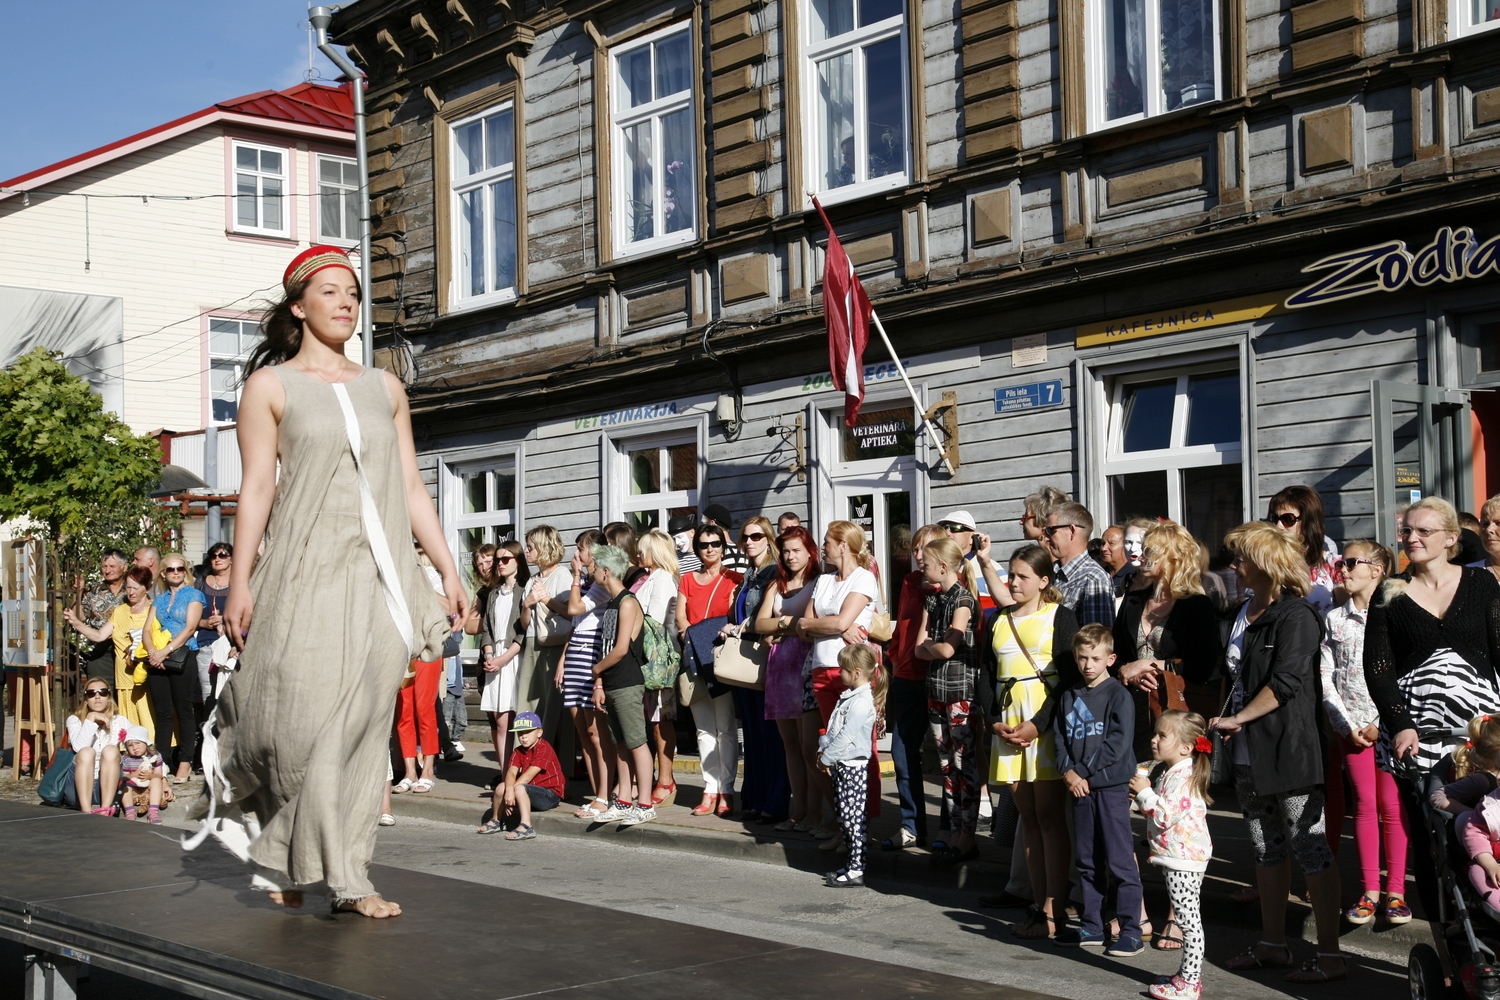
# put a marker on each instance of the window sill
(1115, 128)
(478, 302)
(865, 189)
(666, 244)
(273, 239)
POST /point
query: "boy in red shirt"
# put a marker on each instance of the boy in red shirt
(533, 780)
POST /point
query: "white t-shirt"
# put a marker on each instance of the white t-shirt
(658, 597)
(828, 600)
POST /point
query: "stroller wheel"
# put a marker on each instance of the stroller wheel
(1424, 973)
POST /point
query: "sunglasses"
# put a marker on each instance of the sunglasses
(1285, 520)
(218, 555)
(954, 529)
(1349, 562)
(1407, 531)
(97, 693)
(174, 569)
(757, 537)
(709, 545)
(1053, 529)
(505, 559)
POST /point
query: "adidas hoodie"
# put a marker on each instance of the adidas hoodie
(1095, 727)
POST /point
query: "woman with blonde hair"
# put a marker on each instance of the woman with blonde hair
(657, 555)
(95, 732)
(550, 625)
(123, 629)
(906, 703)
(1489, 534)
(1275, 737)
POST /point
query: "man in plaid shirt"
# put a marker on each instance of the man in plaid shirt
(1085, 585)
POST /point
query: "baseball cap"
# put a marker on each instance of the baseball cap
(962, 517)
(526, 722)
(719, 514)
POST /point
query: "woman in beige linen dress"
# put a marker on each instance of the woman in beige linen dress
(335, 607)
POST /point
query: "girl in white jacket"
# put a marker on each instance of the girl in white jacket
(1175, 804)
(844, 753)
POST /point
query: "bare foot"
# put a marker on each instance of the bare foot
(370, 906)
(291, 898)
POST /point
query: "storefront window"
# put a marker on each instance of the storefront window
(889, 433)
(662, 482)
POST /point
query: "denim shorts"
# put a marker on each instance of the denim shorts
(541, 798)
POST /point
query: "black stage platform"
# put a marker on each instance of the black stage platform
(127, 898)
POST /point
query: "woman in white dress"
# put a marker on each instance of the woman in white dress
(505, 621)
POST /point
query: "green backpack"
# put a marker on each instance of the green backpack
(662, 659)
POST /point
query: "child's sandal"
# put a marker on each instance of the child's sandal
(522, 832)
(491, 825)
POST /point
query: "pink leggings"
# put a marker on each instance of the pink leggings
(1377, 804)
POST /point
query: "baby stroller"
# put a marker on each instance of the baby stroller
(1468, 938)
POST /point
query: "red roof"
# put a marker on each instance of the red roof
(307, 105)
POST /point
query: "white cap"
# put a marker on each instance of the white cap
(137, 733)
(962, 517)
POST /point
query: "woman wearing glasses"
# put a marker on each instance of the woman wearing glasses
(501, 640)
(704, 598)
(214, 585)
(1432, 647)
(764, 792)
(1489, 534)
(95, 732)
(177, 609)
(1299, 510)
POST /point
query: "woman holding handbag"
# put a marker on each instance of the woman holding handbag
(704, 598)
(797, 722)
(548, 632)
(177, 610)
(764, 792)
(124, 628)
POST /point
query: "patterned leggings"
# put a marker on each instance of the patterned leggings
(1286, 817)
(849, 785)
(1183, 889)
(956, 748)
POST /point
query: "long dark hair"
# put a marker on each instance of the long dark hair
(281, 332)
(1310, 505)
(814, 569)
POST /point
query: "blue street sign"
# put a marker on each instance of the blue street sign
(1031, 396)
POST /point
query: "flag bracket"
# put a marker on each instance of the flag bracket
(948, 408)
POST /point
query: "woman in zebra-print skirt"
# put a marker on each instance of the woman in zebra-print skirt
(1431, 651)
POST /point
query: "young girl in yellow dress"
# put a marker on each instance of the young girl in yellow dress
(1033, 641)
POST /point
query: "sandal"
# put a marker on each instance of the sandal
(589, 812)
(404, 785)
(491, 825)
(522, 832)
(907, 839)
(1035, 925)
(1248, 959)
(423, 785)
(386, 819)
(1312, 972)
(664, 795)
(1165, 940)
(951, 857)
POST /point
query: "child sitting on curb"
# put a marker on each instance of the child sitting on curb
(533, 780)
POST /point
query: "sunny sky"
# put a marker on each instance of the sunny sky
(80, 74)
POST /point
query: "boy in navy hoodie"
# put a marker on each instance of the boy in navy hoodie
(1095, 724)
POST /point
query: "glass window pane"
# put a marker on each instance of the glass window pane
(1146, 414)
(641, 521)
(270, 162)
(1213, 409)
(1187, 52)
(270, 202)
(351, 177)
(830, 18)
(505, 488)
(677, 197)
(1489, 339)
(640, 208)
(500, 139)
(897, 541)
(674, 65)
(224, 390)
(1484, 11)
(684, 466)
(872, 11)
(330, 171)
(245, 207)
(467, 149)
(351, 215)
(471, 241)
(836, 119)
(1212, 501)
(330, 219)
(476, 492)
(635, 77)
(1124, 58)
(884, 90)
(470, 539)
(224, 337)
(503, 197)
(1139, 494)
(246, 158)
(645, 471)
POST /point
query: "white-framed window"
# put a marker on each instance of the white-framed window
(338, 199)
(1149, 57)
(659, 477)
(1470, 17)
(260, 187)
(855, 64)
(652, 126)
(483, 507)
(230, 342)
(1173, 447)
(483, 186)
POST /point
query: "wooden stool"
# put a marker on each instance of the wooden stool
(32, 704)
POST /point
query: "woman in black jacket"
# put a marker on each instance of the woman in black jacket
(1277, 743)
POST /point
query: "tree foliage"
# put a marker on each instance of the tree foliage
(63, 457)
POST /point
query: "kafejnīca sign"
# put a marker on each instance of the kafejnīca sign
(1455, 254)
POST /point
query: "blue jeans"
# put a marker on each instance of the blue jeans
(908, 710)
(541, 798)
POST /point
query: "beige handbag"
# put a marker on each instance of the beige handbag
(880, 628)
(741, 661)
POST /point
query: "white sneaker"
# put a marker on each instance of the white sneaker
(639, 814)
(457, 746)
(616, 812)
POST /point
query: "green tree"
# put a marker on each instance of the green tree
(63, 457)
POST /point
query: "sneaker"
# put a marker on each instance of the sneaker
(1396, 911)
(458, 747)
(638, 814)
(1125, 946)
(1175, 988)
(616, 812)
(1077, 937)
(1362, 912)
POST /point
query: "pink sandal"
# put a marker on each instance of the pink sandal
(106, 811)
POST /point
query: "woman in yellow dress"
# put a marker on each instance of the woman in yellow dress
(124, 627)
(1033, 644)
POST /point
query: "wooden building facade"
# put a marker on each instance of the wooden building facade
(1082, 221)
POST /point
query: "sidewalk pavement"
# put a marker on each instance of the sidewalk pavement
(459, 798)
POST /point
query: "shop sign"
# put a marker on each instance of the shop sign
(880, 434)
(1178, 320)
(1031, 396)
(1453, 255)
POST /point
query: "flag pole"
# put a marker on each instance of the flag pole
(916, 400)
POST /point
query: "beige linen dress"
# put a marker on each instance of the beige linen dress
(296, 771)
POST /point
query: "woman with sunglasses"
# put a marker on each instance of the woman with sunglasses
(123, 632)
(95, 732)
(1432, 649)
(501, 640)
(1299, 510)
(704, 598)
(764, 793)
(177, 609)
(214, 585)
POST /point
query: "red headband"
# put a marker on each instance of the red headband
(311, 261)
